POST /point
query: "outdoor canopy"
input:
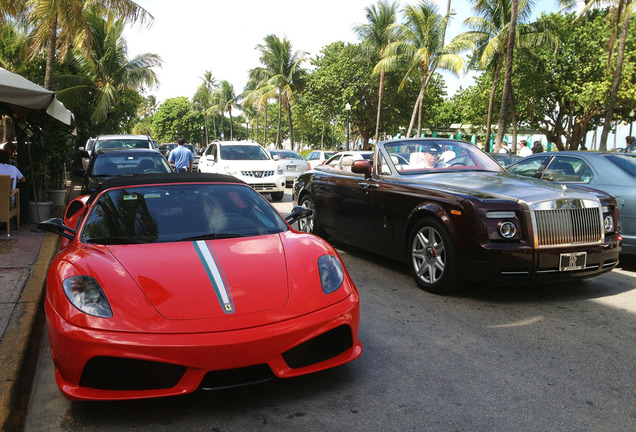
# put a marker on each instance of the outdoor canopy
(22, 96)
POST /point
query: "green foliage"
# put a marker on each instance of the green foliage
(174, 118)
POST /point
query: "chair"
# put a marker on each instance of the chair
(9, 202)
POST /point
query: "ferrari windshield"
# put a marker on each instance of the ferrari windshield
(419, 156)
(179, 212)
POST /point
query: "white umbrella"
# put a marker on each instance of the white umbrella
(22, 95)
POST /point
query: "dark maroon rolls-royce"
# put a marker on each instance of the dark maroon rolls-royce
(455, 215)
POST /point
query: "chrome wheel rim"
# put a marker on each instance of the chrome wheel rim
(428, 255)
(306, 224)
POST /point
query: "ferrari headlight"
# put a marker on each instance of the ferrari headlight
(85, 294)
(331, 273)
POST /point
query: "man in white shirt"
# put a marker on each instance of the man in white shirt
(524, 150)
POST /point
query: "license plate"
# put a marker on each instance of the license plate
(572, 261)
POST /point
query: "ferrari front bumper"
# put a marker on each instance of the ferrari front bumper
(108, 365)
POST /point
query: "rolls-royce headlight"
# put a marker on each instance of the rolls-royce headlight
(608, 224)
(331, 273)
(86, 295)
(507, 230)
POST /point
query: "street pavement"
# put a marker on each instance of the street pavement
(22, 276)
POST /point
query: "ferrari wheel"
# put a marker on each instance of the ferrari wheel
(309, 224)
(432, 258)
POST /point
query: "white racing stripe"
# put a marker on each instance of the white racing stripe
(217, 279)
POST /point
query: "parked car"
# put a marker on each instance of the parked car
(149, 295)
(293, 163)
(344, 160)
(247, 161)
(611, 172)
(504, 159)
(466, 220)
(116, 162)
(318, 157)
(87, 151)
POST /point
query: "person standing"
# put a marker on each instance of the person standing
(537, 147)
(181, 157)
(524, 150)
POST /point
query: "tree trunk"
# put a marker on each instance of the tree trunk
(280, 107)
(380, 95)
(513, 116)
(51, 46)
(291, 125)
(491, 102)
(503, 114)
(616, 84)
(229, 111)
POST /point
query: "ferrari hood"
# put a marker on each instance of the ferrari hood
(209, 278)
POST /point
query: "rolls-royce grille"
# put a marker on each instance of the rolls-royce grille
(257, 174)
(571, 226)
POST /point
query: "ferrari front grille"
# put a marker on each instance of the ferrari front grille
(321, 348)
(228, 378)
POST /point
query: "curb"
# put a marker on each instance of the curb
(20, 347)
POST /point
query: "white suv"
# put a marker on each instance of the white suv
(247, 161)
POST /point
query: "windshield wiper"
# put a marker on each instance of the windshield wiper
(210, 236)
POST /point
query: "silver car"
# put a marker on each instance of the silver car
(610, 172)
(293, 163)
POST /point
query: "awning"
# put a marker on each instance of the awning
(22, 96)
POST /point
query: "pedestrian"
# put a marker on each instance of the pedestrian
(524, 150)
(181, 157)
(7, 169)
(537, 147)
(630, 144)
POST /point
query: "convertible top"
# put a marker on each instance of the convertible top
(144, 179)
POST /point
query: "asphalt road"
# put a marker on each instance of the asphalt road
(545, 358)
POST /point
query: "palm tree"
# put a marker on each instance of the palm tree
(282, 70)
(106, 73)
(209, 85)
(489, 32)
(419, 47)
(224, 99)
(13, 42)
(622, 11)
(59, 25)
(376, 35)
(506, 96)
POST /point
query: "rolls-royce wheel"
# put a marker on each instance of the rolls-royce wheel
(310, 223)
(432, 257)
(277, 196)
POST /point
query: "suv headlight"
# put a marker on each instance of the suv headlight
(279, 170)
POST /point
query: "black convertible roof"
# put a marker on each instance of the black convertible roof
(144, 179)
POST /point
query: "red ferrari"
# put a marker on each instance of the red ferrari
(165, 284)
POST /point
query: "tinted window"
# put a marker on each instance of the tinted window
(243, 152)
(185, 212)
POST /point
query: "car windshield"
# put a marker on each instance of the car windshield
(122, 143)
(243, 152)
(179, 212)
(128, 162)
(419, 156)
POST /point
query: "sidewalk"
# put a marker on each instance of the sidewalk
(22, 275)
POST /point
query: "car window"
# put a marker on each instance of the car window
(527, 167)
(564, 168)
(243, 152)
(182, 212)
(126, 163)
(625, 163)
(312, 156)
